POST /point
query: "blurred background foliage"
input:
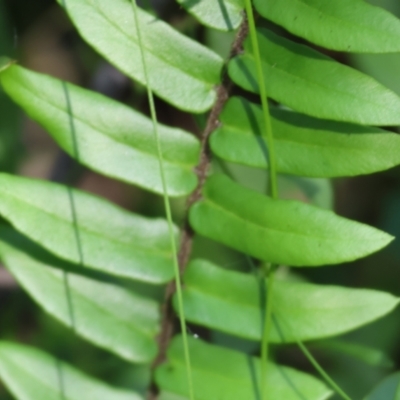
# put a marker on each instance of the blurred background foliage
(39, 35)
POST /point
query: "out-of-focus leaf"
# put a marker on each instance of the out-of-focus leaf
(5, 63)
(87, 230)
(280, 231)
(342, 25)
(317, 191)
(103, 134)
(232, 302)
(31, 374)
(315, 84)
(223, 374)
(103, 313)
(219, 14)
(9, 116)
(366, 354)
(388, 389)
(382, 67)
(303, 145)
(181, 71)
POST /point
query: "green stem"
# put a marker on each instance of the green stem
(273, 191)
(322, 372)
(167, 208)
(310, 358)
(273, 185)
(269, 285)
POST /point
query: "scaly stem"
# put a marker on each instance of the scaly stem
(273, 191)
(167, 207)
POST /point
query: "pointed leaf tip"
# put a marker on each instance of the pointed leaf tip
(280, 231)
(302, 311)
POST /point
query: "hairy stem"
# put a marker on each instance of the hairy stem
(222, 91)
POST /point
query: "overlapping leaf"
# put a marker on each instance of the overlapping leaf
(280, 231)
(315, 84)
(369, 355)
(303, 145)
(103, 313)
(107, 136)
(181, 71)
(343, 25)
(219, 14)
(9, 120)
(223, 374)
(233, 302)
(31, 374)
(388, 389)
(87, 230)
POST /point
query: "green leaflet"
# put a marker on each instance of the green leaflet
(106, 136)
(315, 84)
(182, 71)
(303, 145)
(103, 313)
(31, 374)
(388, 389)
(232, 302)
(224, 15)
(223, 374)
(280, 231)
(343, 25)
(87, 230)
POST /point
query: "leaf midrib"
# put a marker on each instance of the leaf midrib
(159, 252)
(347, 22)
(263, 227)
(355, 148)
(186, 167)
(157, 56)
(310, 82)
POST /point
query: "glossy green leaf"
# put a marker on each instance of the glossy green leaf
(314, 84)
(31, 374)
(304, 145)
(181, 71)
(87, 230)
(224, 15)
(342, 25)
(388, 389)
(232, 302)
(223, 374)
(280, 231)
(106, 136)
(103, 313)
